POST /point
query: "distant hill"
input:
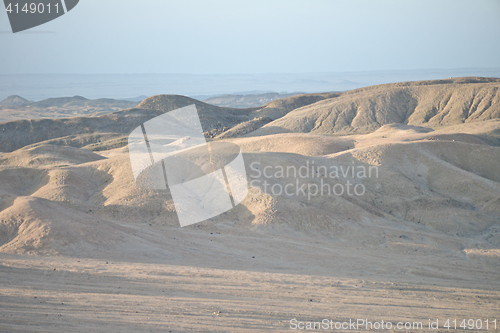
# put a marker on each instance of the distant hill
(16, 107)
(79, 101)
(137, 99)
(246, 101)
(14, 100)
(88, 131)
(428, 103)
(214, 119)
(83, 131)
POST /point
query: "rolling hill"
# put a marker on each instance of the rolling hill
(15, 107)
(83, 131)
(428, 103)
(439, 184)
(81, 242)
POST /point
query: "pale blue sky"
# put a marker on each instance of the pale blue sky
(285, 36)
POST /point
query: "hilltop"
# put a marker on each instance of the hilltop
(14, 100)
(429, 103)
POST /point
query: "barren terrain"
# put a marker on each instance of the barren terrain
(83, 248)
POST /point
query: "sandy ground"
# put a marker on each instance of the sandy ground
(251, 282)
(66, 295)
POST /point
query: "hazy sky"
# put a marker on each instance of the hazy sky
(270, 36)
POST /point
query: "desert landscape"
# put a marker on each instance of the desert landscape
(16, 107)
(84, 249)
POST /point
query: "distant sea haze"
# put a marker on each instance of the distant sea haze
(36, 87)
